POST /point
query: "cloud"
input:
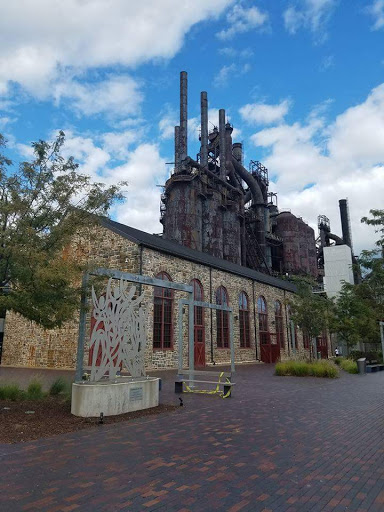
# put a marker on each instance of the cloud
(327, 62)
(314, 163)
(143, 169)
(232, 53)
(47, 37)
(312, 15)
(377, 12)
(117, 95)
(242, 20)
(167, 123)
(232, 70)
(262, 113)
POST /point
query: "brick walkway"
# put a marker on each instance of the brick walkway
(280, 444)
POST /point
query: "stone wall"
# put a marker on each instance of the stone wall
(26, 344)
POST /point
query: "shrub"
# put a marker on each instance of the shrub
(303, 369)
(59, 386)
(35, 390)
(10, 392)
(349, 366)
(338, 360)
(324, 369)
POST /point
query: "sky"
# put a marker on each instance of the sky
(302, 82)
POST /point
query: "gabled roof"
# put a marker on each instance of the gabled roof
(168, 247)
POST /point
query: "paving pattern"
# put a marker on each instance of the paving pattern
(280, 444)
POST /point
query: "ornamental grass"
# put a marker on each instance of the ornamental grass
(349, 365)
(322, 368)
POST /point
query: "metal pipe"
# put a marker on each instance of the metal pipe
(193, 162)
(177, 148)
(183, 115)
(222, 144)
(204, 129)
(237, 151)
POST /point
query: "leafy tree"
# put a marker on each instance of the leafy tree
(310, 311)
(42, 204)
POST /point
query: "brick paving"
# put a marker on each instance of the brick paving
(280, 444)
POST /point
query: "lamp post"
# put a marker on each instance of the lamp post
(382, 337)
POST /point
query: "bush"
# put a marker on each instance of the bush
(371, 356)
(338, 360)
(35, 390)
(10, 392)
(324, 369)
(59, 386)
(349, 366)
(302, 369)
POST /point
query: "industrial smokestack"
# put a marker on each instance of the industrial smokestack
(223, 173)
(183, 115)
(177, 148)
(237, 151)
(345, 222)
(204, 130)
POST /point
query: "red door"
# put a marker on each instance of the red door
(322, 346)
(269, 348)
(199, 337)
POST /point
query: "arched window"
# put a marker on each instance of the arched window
(222, 319)
(279, 324)
(198, 294)
(245, 338)
(162, 315)
(263, 320)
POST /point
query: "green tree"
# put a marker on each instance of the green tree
(43, 203)
(310, 311)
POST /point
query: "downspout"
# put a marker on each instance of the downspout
(254, 318)
(286, 324)
(211, 312)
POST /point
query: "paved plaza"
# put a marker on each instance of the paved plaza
(279, 444)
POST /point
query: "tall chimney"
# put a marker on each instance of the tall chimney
(345, 223)
(183, 115)
(177, 149)
(222, 143)
(204, 129)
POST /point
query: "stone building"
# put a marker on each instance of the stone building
(262, 329)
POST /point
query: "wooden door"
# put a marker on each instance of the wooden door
(269, 348)
(322, 346)
(199, 337)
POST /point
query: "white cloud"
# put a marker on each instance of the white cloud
(143, 169)
(327, 62)
(45, 37)
(314, 164)
(167, 123)
(309, 14)
(242, 20)
(229, 51)
(377, 12)
(118, 95)
(230, 71)
(262, 113)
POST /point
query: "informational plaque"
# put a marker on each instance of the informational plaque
(135, 394)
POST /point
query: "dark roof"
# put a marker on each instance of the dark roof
(166, 246)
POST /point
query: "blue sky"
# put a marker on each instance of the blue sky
(302, 81)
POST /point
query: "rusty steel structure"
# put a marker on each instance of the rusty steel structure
(216, 205)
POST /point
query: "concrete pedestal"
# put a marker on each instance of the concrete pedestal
(89, 399)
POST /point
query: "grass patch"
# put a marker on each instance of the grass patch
(349, 366)
(10, 392)
(58, 387)
(338, 360)
(302, 369)
(35, 390)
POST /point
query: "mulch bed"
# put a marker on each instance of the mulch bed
(52, 416)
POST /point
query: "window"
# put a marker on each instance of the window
(245, 339)
(198, 294)
(162, 315)
(279, 324)
(222, 319)
(263, 320)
